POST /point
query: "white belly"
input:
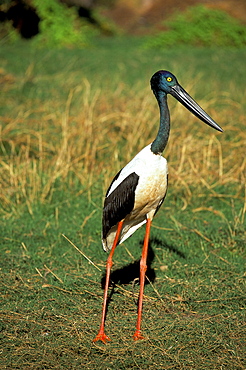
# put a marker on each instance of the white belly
(152, 185)
(152, 170)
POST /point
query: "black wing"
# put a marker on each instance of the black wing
(119, 203)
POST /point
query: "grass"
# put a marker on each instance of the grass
(70, 120)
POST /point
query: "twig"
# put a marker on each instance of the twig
(52, 273)
(77, 249)
(202, 236)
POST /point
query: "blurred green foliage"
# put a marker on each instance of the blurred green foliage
(60, 25)
(8, 34)
(200, 26)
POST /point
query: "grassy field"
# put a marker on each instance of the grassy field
(69, 120)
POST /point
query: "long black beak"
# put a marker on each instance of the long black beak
(184, 98)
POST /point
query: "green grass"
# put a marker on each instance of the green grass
(200, 26)
(70, 120)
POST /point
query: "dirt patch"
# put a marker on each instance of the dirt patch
(147, 16)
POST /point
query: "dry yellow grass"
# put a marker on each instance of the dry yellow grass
(80, 144)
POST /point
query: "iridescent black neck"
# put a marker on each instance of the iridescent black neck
(161, 139)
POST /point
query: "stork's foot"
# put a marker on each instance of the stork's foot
(102, 336)
(138, 335)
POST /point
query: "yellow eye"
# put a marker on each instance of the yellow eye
(169, 79)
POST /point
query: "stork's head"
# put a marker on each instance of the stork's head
(164, 82)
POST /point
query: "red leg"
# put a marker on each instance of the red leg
(143, 268)
(101, 334)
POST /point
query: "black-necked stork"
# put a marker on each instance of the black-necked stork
(138, 190)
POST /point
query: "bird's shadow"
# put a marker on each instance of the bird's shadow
(130, 272)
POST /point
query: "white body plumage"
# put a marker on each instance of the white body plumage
(147, 190)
